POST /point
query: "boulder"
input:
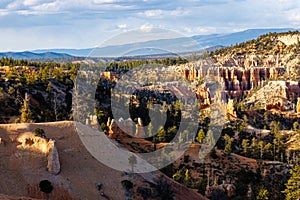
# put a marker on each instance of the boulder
(53, 159)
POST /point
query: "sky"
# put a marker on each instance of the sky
(47, 24)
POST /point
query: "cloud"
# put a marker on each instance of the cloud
(146, 27)
(293, 16)
(3, 12)
(153, 13)
(179, 12)
(200, 30)
(164, 13)
(92, 21)
(122, 26)
(40, 7)
(31, 2)
(105, 1)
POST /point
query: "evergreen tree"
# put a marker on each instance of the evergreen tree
(246, 146)
(228, 143)
(187, 177)
(25, 111)
(262, 194)
(201, 136)
(292, 191)
(295, 126)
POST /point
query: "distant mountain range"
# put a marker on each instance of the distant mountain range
(177, 46)
(33, 56)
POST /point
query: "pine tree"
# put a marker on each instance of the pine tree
(292, 191)
(187, 177)
(262, 194)
(201, 136)
(246, 146)
(228, 143)
(25, 111)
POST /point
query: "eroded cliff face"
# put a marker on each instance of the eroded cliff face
(238, 77)
(289, 39)
(236, 81)
(278, 95)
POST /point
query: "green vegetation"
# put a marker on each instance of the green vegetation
(127, 184)
(201, 136)
(264, 45)
(268, 150)
(26, 112)
(262, 194)
(48, 87)
(292, 191)
(38, 132)
(46, 186)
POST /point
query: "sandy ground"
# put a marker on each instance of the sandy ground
(22, 170)
(80, 172)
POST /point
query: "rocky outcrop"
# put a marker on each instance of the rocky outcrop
(189, 71)
(298, 105)
(43, 146)
(203, 96)
(237, 81)
(278, 95)
(126, 127)
(113, 128)
(33, 143)
(289, 39)
(53, 165)
(230, 108)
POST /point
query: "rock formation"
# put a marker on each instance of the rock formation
(53, 158)
(298, 105)
(203, 95)
(289, 39)
(41, 145)
(238, 81)
(230, 108)
(277, 95)
(113, 128)
(126, 127)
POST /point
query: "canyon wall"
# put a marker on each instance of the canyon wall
(237, 82)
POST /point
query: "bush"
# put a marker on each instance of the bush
(46, 186)
(127, 184)
(38, 132)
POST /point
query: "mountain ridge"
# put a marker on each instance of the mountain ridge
(152, 47)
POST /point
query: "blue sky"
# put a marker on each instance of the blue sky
(39, 24)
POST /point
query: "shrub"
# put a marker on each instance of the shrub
(46, 186)
(127, 184)
(38, 132)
